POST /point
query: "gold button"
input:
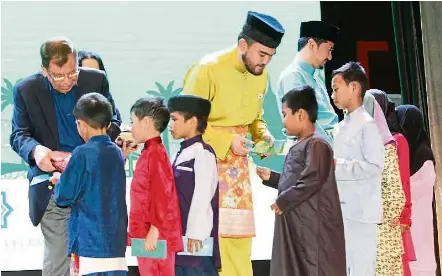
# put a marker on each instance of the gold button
(50, 187)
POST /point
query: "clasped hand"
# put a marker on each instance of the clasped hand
(239, 144)
(264, 174)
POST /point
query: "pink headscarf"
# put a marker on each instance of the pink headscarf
(375, 111)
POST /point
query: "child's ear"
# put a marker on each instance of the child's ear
(80, 124)
(301, 114)
(147, 122)
(194, 121)
(354, 86)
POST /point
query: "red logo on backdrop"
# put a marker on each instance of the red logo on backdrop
(364, 47)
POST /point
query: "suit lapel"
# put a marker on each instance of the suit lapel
(80, 91)
(46, 100)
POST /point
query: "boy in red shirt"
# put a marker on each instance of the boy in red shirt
(154, 209)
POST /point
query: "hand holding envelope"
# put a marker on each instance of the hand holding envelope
(60, 160)
(194, 245)
(43, 158)
(205, 247)
(126, 142)
(160, 251)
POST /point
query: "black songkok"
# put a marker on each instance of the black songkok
(319, 29)
(264, 29)
(193, 105)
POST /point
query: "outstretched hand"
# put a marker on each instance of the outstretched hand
(128, 147)
(263, 173)
(55, 178)
(270, 139)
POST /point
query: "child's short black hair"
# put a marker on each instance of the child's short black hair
(302, 97)
(95, 110)
(153, 108)
(353, 71)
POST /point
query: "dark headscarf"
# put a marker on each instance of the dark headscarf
(81, 55)
(411, 123)
(388, 107)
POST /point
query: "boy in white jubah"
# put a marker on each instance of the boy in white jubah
(359, 161)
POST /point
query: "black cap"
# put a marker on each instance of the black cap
(263, 29)
(193, 105)
(319, 29)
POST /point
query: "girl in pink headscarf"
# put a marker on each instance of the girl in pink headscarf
(392, 124)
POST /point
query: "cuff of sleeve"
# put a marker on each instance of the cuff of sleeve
(342, 166)
(196, 236)
(273, 180)
(151, 221)
(200, 231)
(282, 203)
(340, 161)
(32, 145)
(259, 132)
(267, 183)
(274, 176)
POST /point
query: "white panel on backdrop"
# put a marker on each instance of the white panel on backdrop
(22, 244)
(141, 43)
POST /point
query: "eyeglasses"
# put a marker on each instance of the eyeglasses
(62, 77)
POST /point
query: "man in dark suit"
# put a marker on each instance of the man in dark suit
(43, 122)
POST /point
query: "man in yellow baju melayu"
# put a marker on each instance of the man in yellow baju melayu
(235, 81)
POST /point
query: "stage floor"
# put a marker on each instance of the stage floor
(260, 268)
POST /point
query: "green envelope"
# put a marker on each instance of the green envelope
(139, 251)
(40, 179)
(263, 147)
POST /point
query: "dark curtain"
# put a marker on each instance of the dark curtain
(431, 30)
(410, 59)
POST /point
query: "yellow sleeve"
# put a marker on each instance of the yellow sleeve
(198, 82)
(259, 127)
